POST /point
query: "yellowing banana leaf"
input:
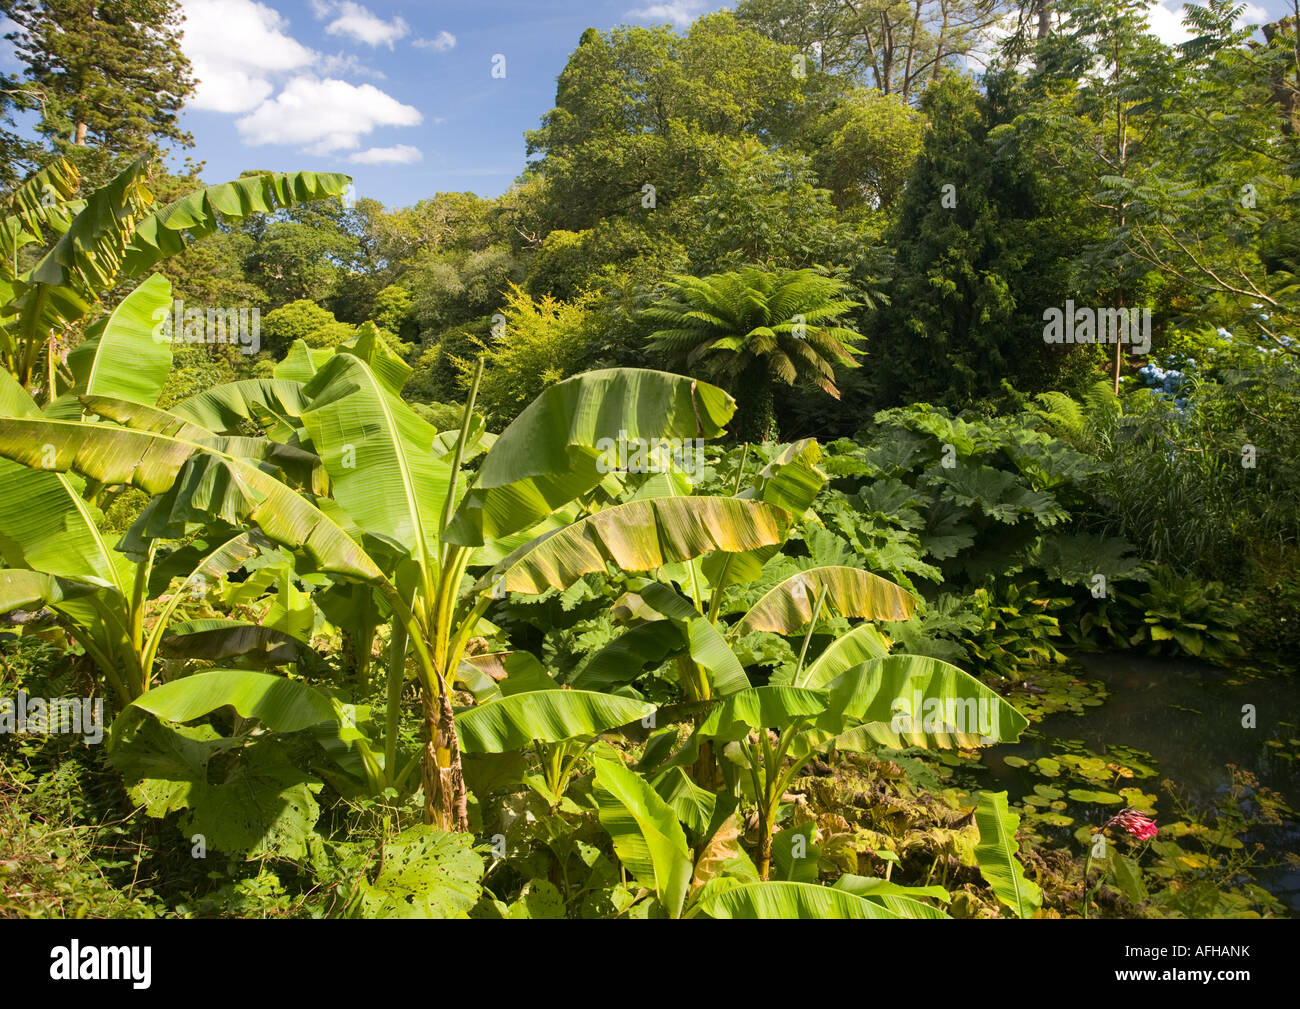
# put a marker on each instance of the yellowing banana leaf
(783, 899)
(543, 716)
(299, 467)
(790, 482)
(647, 837)
(564, 443)
(637, 536)
(850, 592)
(996, 856)
(152, 461)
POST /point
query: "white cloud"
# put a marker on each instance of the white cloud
(324, 115)
(1166, 23)
(328, 66)
(1166, 20)
(679, 13)
(401, 154)
(360, 23)
(440, 43)
(234, 47)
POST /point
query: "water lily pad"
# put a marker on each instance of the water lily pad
(1085, 795)
(1048, 767)
(1138, 799)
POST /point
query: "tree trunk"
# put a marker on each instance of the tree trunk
(446, 805)
(80, 139)
(754, 405)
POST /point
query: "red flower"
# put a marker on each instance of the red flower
(1141, 827)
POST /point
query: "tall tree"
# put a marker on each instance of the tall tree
(109, 74)
(646, 107)
(897, 46)
(986, 238)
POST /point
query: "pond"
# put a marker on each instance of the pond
(1174, 721)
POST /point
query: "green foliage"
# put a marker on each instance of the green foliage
(117, 81)
(750, 329)
(531, 345)
(301, 320)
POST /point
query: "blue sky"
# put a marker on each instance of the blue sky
(401, 95)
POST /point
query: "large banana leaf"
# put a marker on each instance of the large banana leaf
(915, 700)
(637, 536)
(44, 523)
(761, 708)
(850, 592)
(379, 455)
(263, 400)
(790, 482)
(153, 461)
(300, 467)
(167, 231)
(647, 836)
(861, 644)
(282, 705)
(302, 362)
(996, 856)
(380, 358)
(543, 716)
(42, 200)
(83, 262)
(628, 655)
(791, 900)
(218, 640)
(899, 899)
(121, 355)
(31, 590)
(559, 447)
(30, 201)
(702, 640)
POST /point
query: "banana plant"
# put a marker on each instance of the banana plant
(116, 232)
(402, 517)
(832, 700)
